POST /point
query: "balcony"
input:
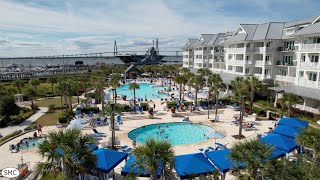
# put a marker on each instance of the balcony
(259, 76)
(288, 49)
(257, 49)
(313, 65)
(236, 62)
(235, 50)
(259, 62)
(307, 83)
(307, 47)
(282, 63)
(285, 78)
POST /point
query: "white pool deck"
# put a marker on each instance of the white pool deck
(132, 121)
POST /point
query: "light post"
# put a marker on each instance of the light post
(113, 94)
(112, 125)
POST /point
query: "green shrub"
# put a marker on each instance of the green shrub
(10, 135)
(66, 116)
(52, 107)
(87, 109)
(32, 126)
(23, 115)
(171, 104)
(187, 103)
(259, 112)
(226, 101)
(144, 106)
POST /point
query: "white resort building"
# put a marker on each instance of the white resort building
(284, 53)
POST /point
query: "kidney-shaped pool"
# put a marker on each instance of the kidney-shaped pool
(176, 133)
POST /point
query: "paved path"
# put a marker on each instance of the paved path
(7, 130)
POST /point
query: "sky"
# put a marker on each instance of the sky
(56, 27)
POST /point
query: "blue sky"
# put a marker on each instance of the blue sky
(53, 27)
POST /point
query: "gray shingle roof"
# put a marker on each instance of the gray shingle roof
(299, 22)
(311, 29)
(236, 38)
(299, 91)
(261, 31)
(228, 33)
(250, 29)
(275, 30)
(213, 39)
(190, 43)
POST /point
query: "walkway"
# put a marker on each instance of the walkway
(10, 129)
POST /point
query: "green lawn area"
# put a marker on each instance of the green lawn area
(49, 118)
(46, 102)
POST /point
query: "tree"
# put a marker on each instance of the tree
(253, 84)
(152, 154)
(35, 82)
(253, 153)
(31, 93)
(216, 86)
(114, 83)
(134, 86)
(310, 138)
(180, 79)
(19, 84)
(204, 72)
(52, 81)
(70, 90)
(99, 86)
(198, 82)
(239, 87)
(289, 100)
(76, 159)
(60, 88)
(8, 107)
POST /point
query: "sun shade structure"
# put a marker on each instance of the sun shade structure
(222, 161)
(193, 164)
(293, 122)
(108, 159)
(276, 153)
(283, 143)
(130, 168)
(287, 131)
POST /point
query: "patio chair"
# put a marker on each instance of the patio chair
(99, 133)
(98, 121)
(105, 121)
(119, 120)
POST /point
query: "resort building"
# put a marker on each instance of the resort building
(283, 53)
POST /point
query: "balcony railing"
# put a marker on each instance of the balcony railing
(259, 62)
(257, 49)
(235, 50)
(315, 46)
(282, 63)
(308, 83)
(309, 64)
(285, 78)
(258, 76)
(290, 48)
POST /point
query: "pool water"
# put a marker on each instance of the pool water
(176, 133)
(34, 142)
(146, 91)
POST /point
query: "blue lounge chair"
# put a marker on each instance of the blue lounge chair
(140, 109)
(78, 113)
(105, 121)
(119, 120)
(134, 109)
(128, 150)
(98, 121)
(98, 133)
(186, 118)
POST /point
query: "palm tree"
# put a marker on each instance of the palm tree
(180, 79)
(99, 86)
(198, 82)
(310, 138)
(254, 84)
(19, 84)
(77, 158)
(52, 81)
(134, 86)
(239, 86)
(60, 90)
(215, 86)
(204, 72)
(31, 93)
(114, 83)
(251, 152)
(152, 154)
(290, 100)
(34, 82)
(70, 90)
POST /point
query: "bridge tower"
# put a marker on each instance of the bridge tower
(115, 48)
(157, 46)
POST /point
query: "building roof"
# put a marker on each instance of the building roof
(129, 68)
(299, 91)
(311, 29)
(300, 22)
(190, 43)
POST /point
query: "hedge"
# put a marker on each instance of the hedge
(171, 104)
(144, 106)
(87, 109)
(24, 114)
(10, 135)
(66, 116)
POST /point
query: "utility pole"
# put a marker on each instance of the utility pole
(115, 48)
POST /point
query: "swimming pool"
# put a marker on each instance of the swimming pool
(146, 91)
(176, 133)
(33, 142)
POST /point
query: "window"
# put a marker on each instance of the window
(313, 77)
(284, 72)
(210, 65)
(314, 58)
(301, 73)
(266, 71)
(269, 44)
(289, 31)
(210, 48)
(200, 56)
(204, 57)
(316, 40)
(205, 48)
(247, 70)
(185, 56)
(230, 56)
(210, 56)
(303, 59)
(197, 56)
(247, 58)
(267, 58)
(248, 45)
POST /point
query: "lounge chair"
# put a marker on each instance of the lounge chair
(250, 128)
(119, 120)
(105, 121)
(220, 146)
(99, 133)
(98, 121)
(186, 119)
(209, 148)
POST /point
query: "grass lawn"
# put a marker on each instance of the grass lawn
(56, 101)
(49, 118)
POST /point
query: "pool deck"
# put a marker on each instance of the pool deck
(132, 121)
